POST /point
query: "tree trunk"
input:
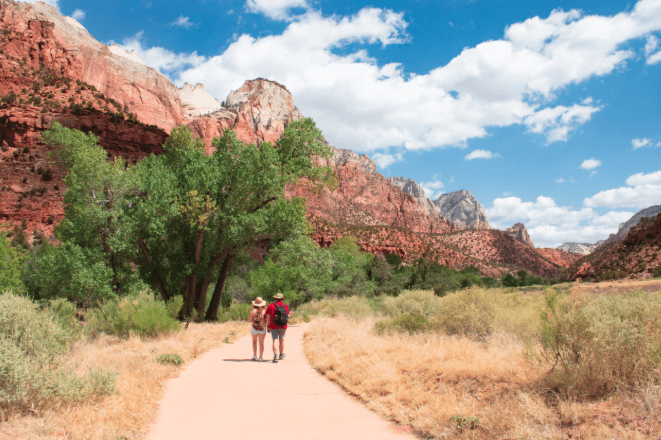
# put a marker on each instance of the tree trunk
(189, 299)
(202, 295)
(155, 273)
(212, 311)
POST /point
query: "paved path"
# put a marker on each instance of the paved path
(223, 395)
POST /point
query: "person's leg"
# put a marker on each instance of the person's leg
(274, 334)
(261, 345)
(254, 345)
(282, 332)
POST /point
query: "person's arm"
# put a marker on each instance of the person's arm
(252, 316)
(268, 318)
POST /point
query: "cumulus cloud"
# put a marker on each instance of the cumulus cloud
(275, 9)
(559, 180)
(643, 190)
(385, 160)
(432, 189)
(183, 22)
(361, 104)
(589, 164)
(639, 143)
(481, 154)
(159, 58)
(650, 48)
(551, 225)
(78, 15)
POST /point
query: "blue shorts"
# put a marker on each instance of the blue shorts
(278, 333)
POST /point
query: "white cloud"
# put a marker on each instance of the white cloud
(78, 15)
(160, 58)
(559, 180)
(588, 100)
(643, 190)
(644, 179)
(639, 143)
(385, 160)
(364, 105)
(557, 122)
(550, 225)
(275, 9)
(651, 45)
(432, 189)
(481, 154)
(589, 164)
(230, 12)
(183, 22)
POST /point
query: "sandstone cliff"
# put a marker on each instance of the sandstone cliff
(45, 37)
(580, 248)
(624, 228)
(259, 111)
(520, 233)
(460, 207)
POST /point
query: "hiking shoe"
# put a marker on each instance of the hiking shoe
(261, 359)
(254, 358)
(275, 358)
(282, 356)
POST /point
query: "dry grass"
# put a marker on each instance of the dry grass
(424, 380)
(140, 381)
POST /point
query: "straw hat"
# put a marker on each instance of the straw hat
(259, 302)
(278, 296)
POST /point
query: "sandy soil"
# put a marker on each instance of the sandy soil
(225, 395)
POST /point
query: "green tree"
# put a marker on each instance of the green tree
(11, 266)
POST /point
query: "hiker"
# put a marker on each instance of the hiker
(277, 316)
(258, 330)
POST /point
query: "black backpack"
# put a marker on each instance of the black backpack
(281, 317)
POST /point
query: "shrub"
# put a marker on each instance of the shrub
(406, 323)
(30, 345)
(416, 302)
(598, 345)
(235, 312)
(480, 312)
(11, 265)
(140, 314)
(171, 358)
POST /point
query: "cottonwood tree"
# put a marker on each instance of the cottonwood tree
(179, 220)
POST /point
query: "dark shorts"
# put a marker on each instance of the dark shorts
(278, 333)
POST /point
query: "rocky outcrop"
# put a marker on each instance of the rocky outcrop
(64, 46)
(463, 210)
(580, 248)
(520, 233)
(197, 101)
(257, 112)
(624, 228)
(460, 207)
(558, 256)
(366, 197)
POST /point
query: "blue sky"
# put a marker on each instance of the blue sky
(547, 111)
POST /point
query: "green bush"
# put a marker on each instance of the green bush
(140, 314)
(415, 302)
(406, 323)
(171, 358)
(598, 345)
(357, 307)
(11, 265)
(65, 314)
(235, 312)
(479, 312)
(31, 343)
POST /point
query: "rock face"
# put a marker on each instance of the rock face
(520, 233)
(580, 248)
(197, 101)
(366, 197)
(257, 112)
(463, 210)
(460, 207)
(624, 228)
(63, 45)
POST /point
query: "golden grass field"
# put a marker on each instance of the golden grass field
(432, 382)
(140, 381)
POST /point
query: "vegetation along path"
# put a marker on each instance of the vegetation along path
(225, 395)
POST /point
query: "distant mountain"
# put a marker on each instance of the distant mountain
(633, 221)
(580, 248)
(520, 233)
(460, 207)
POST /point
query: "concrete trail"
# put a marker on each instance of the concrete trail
(223, 395)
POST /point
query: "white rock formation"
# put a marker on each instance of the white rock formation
(197, 101)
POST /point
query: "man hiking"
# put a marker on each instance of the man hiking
(277, 316)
